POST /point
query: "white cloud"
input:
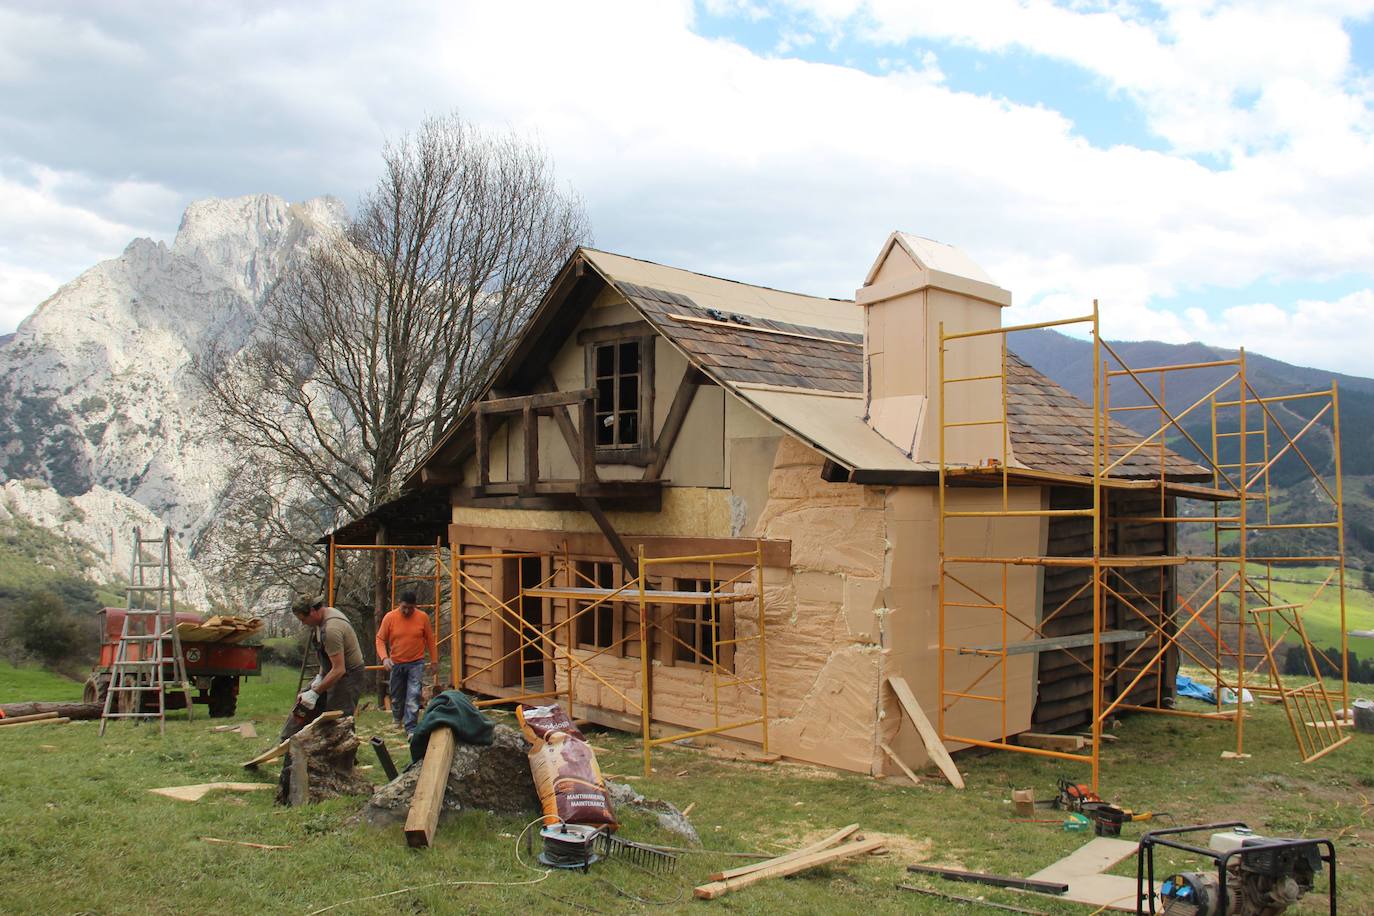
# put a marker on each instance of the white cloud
(702, 153)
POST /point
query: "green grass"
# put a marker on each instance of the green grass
(82, 834)
(31, 682)
(1322, 615)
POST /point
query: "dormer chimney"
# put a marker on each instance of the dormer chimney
(913, 286)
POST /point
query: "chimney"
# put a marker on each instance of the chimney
(913, 286)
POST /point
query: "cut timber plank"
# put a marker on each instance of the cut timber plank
(428, 800)
(892, 755)
(280, 749)
(934, 746)
(1082, 871)
(838, 836)
(1068, 743)
(977, 877)
(200, 790)
(246, 730)
(218, 842)
(60, 720)
(15, 720)
(775, 869)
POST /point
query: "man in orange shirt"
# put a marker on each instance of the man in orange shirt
(402, 639)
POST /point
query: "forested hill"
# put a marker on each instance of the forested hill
(1068, 361)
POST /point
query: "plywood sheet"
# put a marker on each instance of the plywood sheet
(1082, 871)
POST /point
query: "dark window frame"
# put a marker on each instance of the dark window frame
(600, 342)
(697, 620)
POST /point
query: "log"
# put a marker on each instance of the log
(323, 764)
(428, 800)
(780, 869)
(69, 710)
(934, 746)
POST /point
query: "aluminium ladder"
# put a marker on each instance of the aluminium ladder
(148, 658)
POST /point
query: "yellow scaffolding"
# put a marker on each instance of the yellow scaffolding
(1170, 621)
(555, 642)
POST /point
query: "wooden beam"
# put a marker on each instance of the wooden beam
(447, 477)
(672, 424)
(586, 452)
(531, 424)
(534, 401)
(975, 877)
(839, 836)
(479, 432)
(776, 553)
(428, 801)
(607, 332)
(1066, 743)
(62, 720)
(778, 869)
(593, 508)
(934, 746)
(15, 720)
(892, 755)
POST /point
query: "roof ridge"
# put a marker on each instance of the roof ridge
(697, 273)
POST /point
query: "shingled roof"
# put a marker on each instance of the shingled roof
(1051, 430)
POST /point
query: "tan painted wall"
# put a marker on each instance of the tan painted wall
(910, 623)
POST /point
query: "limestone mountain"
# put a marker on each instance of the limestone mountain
(96, 386)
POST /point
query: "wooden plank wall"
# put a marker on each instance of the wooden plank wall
(478, 624)
(1064, 688)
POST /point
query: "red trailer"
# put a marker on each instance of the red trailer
(214, 668)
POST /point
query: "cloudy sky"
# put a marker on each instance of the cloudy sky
(1204, 169)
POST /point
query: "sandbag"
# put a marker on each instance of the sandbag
(566, 776)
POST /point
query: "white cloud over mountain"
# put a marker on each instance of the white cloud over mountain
(762, 166)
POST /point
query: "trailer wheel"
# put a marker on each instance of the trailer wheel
(224, 697)
(95, 689)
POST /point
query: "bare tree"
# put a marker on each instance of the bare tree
(378, 338)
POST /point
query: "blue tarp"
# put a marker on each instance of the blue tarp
(1187, 687)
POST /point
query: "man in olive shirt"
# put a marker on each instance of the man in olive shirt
(340, 681)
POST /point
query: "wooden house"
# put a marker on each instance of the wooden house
(648, 407)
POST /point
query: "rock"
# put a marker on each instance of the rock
(495, 778)
(669, 817)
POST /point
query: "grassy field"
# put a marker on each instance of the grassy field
(1322, 615)
(82, 834)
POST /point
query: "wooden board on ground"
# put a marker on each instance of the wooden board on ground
(1066, 743)
(218, 842)
(200, 790)
(15, 720)
(428, 799)
(1082, 871)
(838, 836)
(280, 749)
(777, 869)
(934, 746)
(42, 720)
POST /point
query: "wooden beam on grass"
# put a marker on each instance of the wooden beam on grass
(61, 720)
(15, 720)
(776, 869)
(839, 836)
(428, 801)
(977, 877)
(934, 746)
(1066, 743)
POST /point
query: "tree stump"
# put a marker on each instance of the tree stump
(330, 752)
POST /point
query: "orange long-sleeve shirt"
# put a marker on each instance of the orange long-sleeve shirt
(404, 639)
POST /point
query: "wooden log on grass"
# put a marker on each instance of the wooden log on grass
(428, 800)
(68, 710)
(15, 720)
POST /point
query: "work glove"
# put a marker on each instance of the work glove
(387, 663)
(308, 699)
(316, 682)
